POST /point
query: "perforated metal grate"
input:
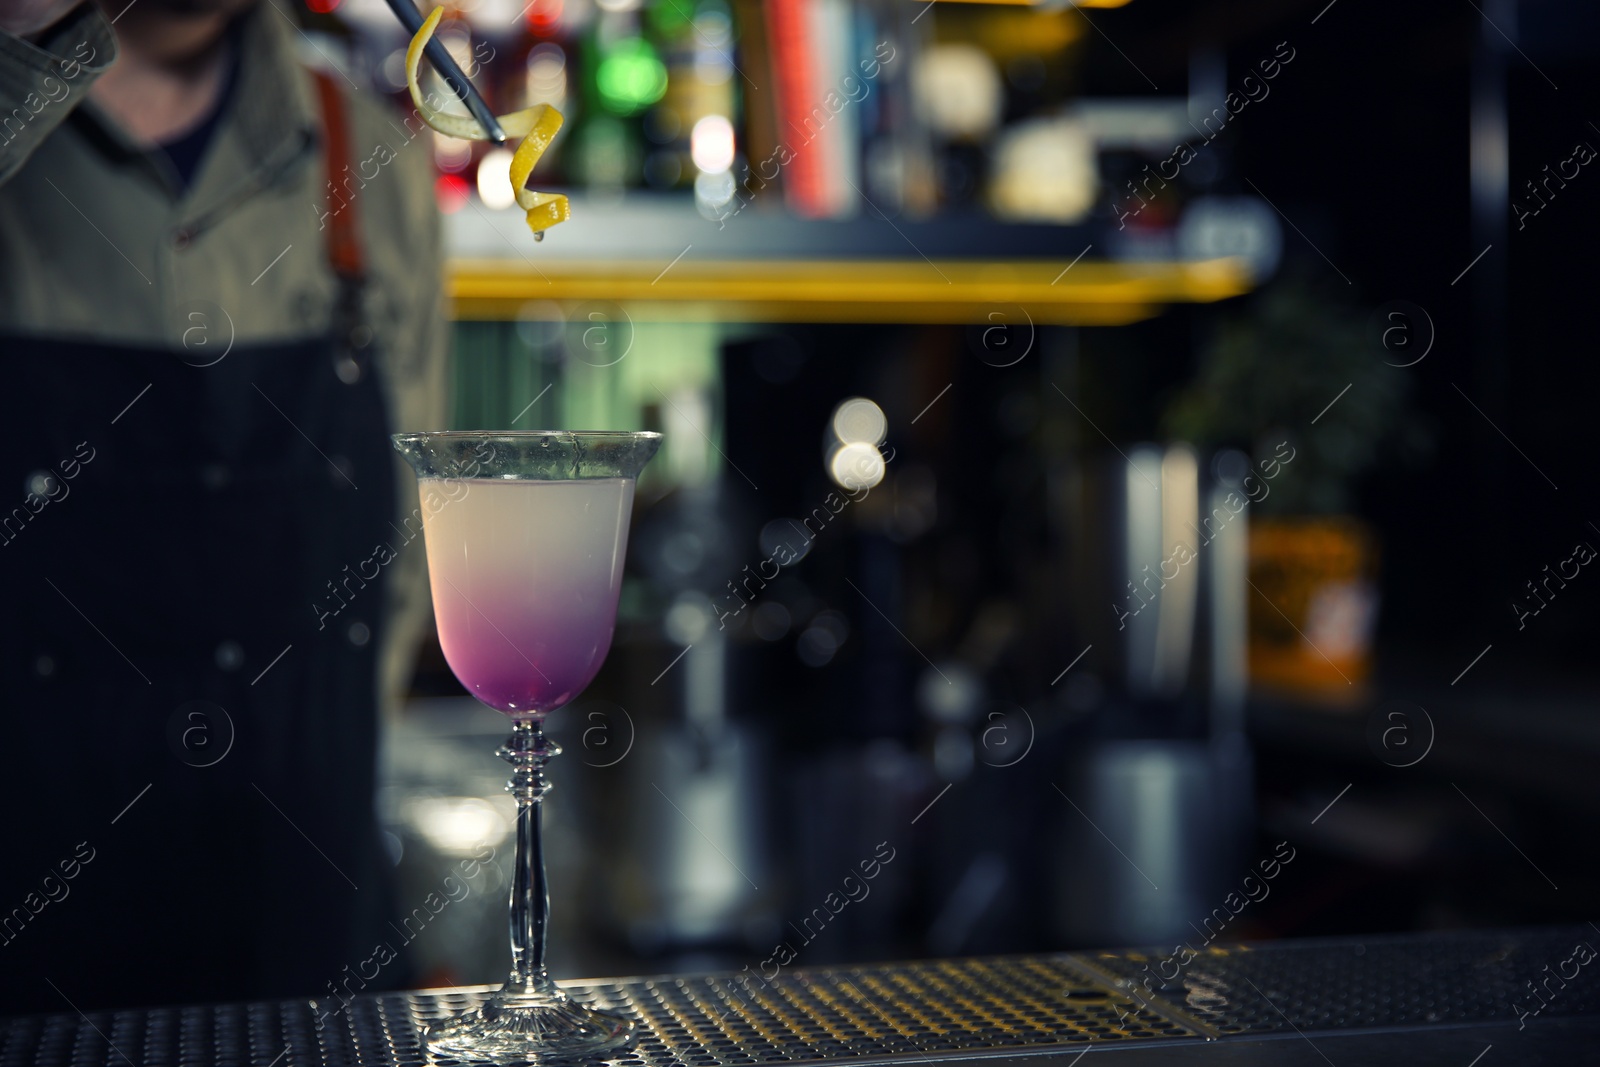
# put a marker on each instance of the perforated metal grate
(906, 1012)
(859, 1013)
(1379, 982)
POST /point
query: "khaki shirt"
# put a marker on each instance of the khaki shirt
(98, 241)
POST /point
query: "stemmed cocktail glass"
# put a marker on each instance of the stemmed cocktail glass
(526, 534)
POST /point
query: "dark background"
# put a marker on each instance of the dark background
(1364, 148)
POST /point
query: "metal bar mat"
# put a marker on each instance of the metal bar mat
(892, 1012)
(1373, 983)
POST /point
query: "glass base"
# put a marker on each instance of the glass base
(534, 1026)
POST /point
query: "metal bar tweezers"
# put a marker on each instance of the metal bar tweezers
(462, 86)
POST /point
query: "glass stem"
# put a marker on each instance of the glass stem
(527, 751)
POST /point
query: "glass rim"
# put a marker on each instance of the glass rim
(528, 455)
(414, 435)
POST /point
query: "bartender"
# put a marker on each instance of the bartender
(213, 310)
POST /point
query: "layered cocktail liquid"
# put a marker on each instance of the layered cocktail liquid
(525, 581)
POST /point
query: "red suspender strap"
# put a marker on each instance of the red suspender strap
(344, 243)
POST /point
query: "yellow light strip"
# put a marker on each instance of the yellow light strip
(953, 291)
(1040, 3)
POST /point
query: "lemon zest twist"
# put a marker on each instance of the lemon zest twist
(537, 126)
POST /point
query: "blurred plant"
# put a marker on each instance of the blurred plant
(1270, 370)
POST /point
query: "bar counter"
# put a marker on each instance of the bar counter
(1527, 995)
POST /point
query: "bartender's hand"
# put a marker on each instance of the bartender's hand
(25, 18)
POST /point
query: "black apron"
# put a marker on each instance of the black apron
(192, 610)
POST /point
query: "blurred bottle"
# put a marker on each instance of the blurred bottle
(690, 134)
(538, 67)
(619, 76)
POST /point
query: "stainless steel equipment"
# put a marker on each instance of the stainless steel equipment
(1161, 799)
(1412, 999)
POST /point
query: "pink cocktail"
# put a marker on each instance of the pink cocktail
(525, 535)
(525, 581)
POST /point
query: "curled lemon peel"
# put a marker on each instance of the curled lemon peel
(537, 126)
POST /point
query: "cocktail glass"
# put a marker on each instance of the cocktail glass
(525, 535)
